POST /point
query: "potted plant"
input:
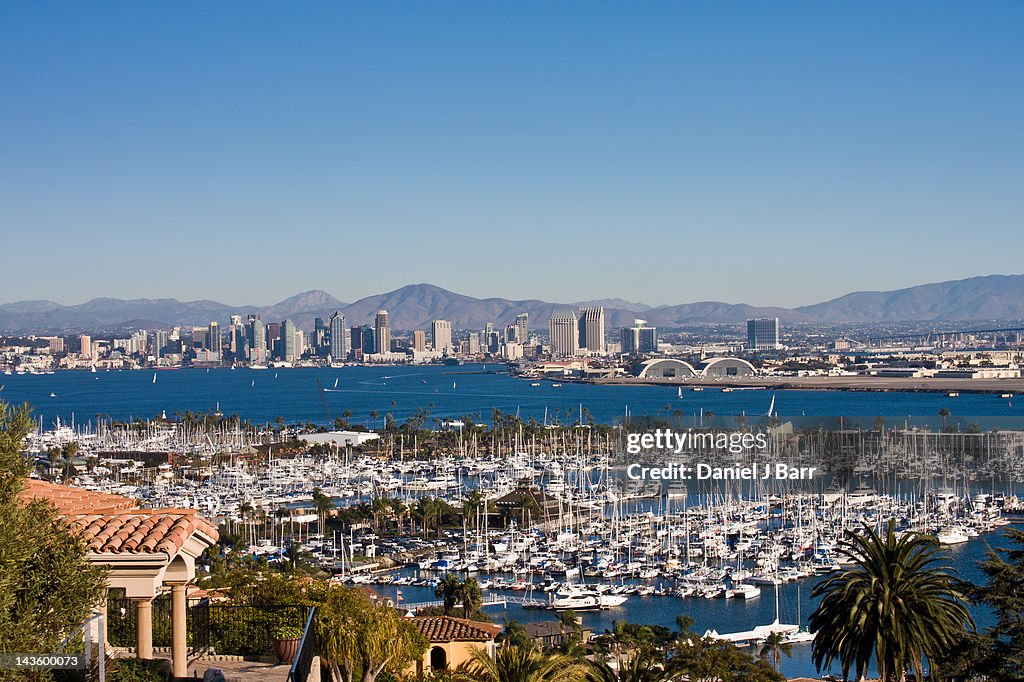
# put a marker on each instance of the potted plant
(286, 643)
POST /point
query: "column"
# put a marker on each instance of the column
(144, 627)
(179, 641)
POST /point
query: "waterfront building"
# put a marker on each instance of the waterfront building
(638, 339)
(591, 329)
(382, 332)
(473, 343)
(273, 336)
(339, 339)
(362, 341)
(85, 345)
(287, 343)
(564, 334)
(441, 336)
(763, 334)
(419, 341)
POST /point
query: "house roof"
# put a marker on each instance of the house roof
(70, 500)
(140, 531)
(112, 524)
(439, 629)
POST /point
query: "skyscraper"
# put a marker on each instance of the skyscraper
(523, 327)
(339, 338)
(382, 332)
(564, 334)
(441, 336)
(257, 340)
(591, 326)
(419, 341)
(640, 338)
(213, 339)
(763, 334)
(287, 345)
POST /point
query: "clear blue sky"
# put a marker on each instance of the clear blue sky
(768, 153)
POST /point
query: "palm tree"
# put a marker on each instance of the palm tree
(516, 664)
(943, 413)
(897, 603)
(373, 416)
(638, 668)
(449, 591)
(471, 596)
(776, 645)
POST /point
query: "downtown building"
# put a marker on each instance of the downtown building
(591, 330)
(564, 334)
(763, 334)
(639, 339)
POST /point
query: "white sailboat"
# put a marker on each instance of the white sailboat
(154, 377)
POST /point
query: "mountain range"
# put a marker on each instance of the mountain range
(991, 297)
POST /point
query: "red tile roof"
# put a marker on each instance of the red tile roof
(112, 524)
(439, 629)
(140, 531)
(70, 500)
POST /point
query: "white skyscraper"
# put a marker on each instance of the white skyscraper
(441, 336)
(592, 329)
(564, 334)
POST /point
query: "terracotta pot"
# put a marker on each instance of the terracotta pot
(287, 649)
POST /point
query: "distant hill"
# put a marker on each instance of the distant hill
(990, 297)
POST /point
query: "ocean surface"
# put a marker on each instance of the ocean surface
(471, 390)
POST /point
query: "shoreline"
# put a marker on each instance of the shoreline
(846, 383)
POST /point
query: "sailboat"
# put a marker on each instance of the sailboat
(680, 392)
(336, 382)
(453, 385)
(154, 377)
(771, 408)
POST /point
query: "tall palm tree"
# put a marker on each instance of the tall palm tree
(897, 603)
(516, 664)
(449, 591)
(776, 645)
(471, 596)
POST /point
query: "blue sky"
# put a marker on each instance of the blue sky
(767, 153)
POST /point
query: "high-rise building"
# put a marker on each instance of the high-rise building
(339, 339)
(85, 345)
(382, 333)
(473, 343)
(419, 341)
(763, 334)
(522, 327)
(640, 338)
(591, 329)
(441, 336)
(564, 333)
(257, 340)
(287, 344)
(213, 339)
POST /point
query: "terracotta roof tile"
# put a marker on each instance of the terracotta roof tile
(446, 629)
(112, 524)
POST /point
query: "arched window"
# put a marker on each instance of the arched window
(438, 659)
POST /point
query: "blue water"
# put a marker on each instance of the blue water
(471, 390)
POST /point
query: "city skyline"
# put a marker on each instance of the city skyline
(734, 153)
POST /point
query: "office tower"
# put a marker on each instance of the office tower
(382, 332)
(199, 335)
(286, 346)
(419, 341)
(473, 343)
(272, 333)
(640, 338)
(591, 329)
(564, 334)
(523, 327)
(441, 336)
(257, 340)
(85, 345)
(339, 339)
(159, 342)
(213, 338)
(362, 341)
(763, 334)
